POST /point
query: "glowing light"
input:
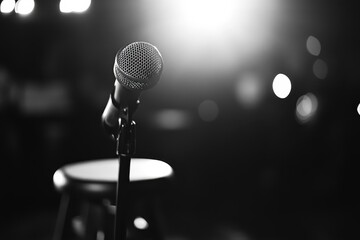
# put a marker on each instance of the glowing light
(199, 14)
(172, 119)
(210, 37)
(65, 6)
(313, 45)
(320, 69)
(306, 107)
(208, 110)
(81, 5)
(141, 223)
(281, 85)
(24, 7)
(248, 90)
(358, 109)
(77, 6)
(7, 6)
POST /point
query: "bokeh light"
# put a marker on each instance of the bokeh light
(249, 90)
(24, 7)
(281, 85)
(358, 109)
(141, 223)
(7, 6)
(172, 119)
(76, 6)
(208, 110)
(320, 69)
(306, 107)
(313, 45)
(65, 6)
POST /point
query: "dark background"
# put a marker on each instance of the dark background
(251, 173)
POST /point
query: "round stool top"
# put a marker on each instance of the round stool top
(99, 177)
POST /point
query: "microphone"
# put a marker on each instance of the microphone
(137, 67)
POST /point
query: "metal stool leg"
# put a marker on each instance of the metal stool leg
(94, 222)
(62, 217)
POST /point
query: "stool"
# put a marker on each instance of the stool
(88, 197)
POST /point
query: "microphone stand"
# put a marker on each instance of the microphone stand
(125, 150)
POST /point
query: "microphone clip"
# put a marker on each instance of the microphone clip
(126, 143)
(115, 113)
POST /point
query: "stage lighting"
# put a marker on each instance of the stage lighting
(306, 107)
(7, 6)
(210, 38)
(281, 85)
(313, 45)
(65, 6)
(74, 6)
(320, 69)
(141, 223)
(24, 7)
(172, 119)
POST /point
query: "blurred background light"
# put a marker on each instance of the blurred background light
(172, 119)
(141, 223)
(7, 6)
(208, 110)
(306, 107)
(65, 6)
(358, 109)
(320, 69)
(24, 7)
(76, 6)
(249, 90)
(313, 45)
(211, 37)
(281, 85)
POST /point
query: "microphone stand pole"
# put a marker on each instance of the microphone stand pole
(125, 150)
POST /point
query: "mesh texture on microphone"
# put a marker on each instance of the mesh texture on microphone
(138, 66)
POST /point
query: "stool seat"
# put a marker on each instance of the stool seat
(97, 179)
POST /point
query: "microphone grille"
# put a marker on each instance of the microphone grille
(138, 66)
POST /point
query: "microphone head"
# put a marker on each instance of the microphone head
(138, 66)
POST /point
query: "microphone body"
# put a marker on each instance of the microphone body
(137, 67)
(120, 101)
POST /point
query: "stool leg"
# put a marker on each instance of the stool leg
(94, 221)
(62, 217)
(108, 216)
